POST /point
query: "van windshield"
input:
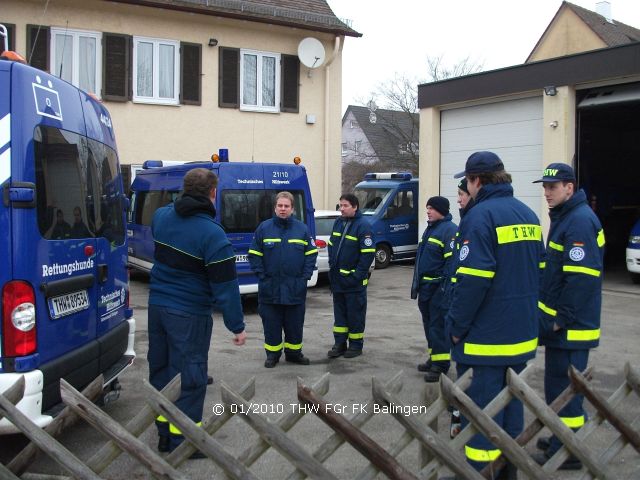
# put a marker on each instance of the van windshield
(241, 211)
(372, 199)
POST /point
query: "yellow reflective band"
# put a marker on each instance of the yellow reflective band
(365, 281)
(255, 252)
(337, 234)
(439, 357)
(583, 335)
(340, 329)
(293, 346)
(585, 270)
(543, 265)
(518, 233)
(296, 240)
(436, 241)
(356, 336)
(476, 272)
(271, 240)
(311, 252)
(501, 350)
(547, 310)
(173, 430)
(367, 250)
(346, 272)
(556, 246)
(161, 419)
(429, 350)
(481, 455)
(273, 348)
(448, 254)
(454, 280)
(600, 240)
(220, 261)
(573, 422)
(330, 243)
(351, 237)
(431, 278)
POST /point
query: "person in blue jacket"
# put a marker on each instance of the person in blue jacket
(570, 295)
(492, 320)
(194, 270)
(434, 252)
(283, 256)
(351, 251)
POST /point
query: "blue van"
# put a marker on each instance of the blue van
(63, 247)
(390, 202)
(246, 192)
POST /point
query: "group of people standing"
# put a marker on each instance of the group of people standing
(488, 290)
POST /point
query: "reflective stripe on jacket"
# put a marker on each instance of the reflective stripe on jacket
(571, 289)
(494, 307)
(283, 256)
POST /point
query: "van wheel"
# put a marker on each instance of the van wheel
(635, 277)
(383, 256)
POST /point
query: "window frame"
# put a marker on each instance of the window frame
(155, 98)
(75, 71)
(277, 86)
(345, 149)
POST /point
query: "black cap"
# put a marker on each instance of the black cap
(462, 185)
(557, 172)
(441, 204)
(481, 162)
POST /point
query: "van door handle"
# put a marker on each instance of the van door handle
(103, 273)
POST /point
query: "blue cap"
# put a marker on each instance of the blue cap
(481, 162)
(557, 172)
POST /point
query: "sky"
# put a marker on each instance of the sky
(399, 35)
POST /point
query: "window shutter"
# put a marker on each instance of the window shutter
(116, 67)
(38, 47)
(11, 35)
(229, 77)
(191, 73)
(290, 79)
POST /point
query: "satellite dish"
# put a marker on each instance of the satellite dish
(311, 52)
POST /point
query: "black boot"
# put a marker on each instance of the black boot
(337, 350)
(299, 359)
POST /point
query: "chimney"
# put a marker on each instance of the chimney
(604, 9)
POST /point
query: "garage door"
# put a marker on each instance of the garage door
(512, 129)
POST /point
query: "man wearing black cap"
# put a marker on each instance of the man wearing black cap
(434, 252)
(570, 295)
(492, 320)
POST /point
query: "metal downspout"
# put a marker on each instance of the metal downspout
(337, 47)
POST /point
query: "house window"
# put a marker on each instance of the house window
(357, 146)
(156, 70)
(354, 124)
(259, 81)
(344, 149)
(77, 58)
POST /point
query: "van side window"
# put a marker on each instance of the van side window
(146, 204)
(402, 204)
(243, 210)
(62, 192)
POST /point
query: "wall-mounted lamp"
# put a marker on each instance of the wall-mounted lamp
(213, 42)
(554, 124)
(551, 90)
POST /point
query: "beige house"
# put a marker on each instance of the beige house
(184, 78)
(575, 100)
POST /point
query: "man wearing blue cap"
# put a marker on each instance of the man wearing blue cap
(570, 295)
(493, 320)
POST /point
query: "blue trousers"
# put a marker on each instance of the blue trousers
(556, 379)
(179, 343)
(349, 314)
(487, 383)
(430, 304)
(275, 319)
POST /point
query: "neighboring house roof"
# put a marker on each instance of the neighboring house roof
(313, 15)
(392, 128)
(612, 33)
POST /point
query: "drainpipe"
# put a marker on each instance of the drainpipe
(337, 47)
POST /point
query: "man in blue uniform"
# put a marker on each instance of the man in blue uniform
(351, 251)
(434, 252)
(283, 256)
(493, 320)
(570, 295)
(194, 269)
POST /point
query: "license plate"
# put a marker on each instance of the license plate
(242, 258)
(67, 304)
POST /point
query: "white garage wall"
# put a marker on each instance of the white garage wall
(512, 129)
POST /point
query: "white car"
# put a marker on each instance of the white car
(324, 223)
